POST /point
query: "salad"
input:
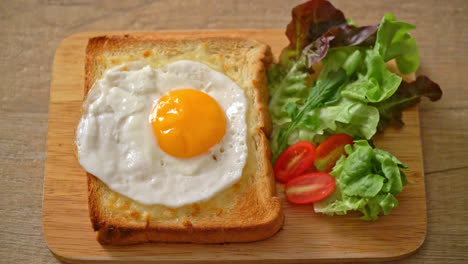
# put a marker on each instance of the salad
(331, 88)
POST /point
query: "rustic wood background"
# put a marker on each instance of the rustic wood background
(30, 32)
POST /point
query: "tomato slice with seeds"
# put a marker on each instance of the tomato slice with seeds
(294, 161)
(329, 151)
(310, 188)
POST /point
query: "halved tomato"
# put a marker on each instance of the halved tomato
(329, 151)
(310, 188)
(294, 161)
(311, 168)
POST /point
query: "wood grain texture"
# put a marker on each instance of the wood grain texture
(65, 213)
(30, 32)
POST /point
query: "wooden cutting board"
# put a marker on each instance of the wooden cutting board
(305, 237)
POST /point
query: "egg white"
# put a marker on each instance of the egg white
(115, 141)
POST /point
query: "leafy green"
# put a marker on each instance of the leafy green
(394, 42)
(324, 93)
(408, 94)
(318, 25)
(354, 118)
(286, 86)
(310, 21)
(368, 180)
(348, 58)
(374, 82)
(350, 35)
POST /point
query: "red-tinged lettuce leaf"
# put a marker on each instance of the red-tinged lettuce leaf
(408, 94)
(351, 35)
(317, 50)
(310, 21)
(317, 26)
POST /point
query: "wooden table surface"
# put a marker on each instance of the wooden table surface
(30, 32)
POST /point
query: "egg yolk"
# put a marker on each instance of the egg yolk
(187, 123)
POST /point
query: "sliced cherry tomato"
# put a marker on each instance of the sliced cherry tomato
(294, 161)
(311, 168)
(310, 188)
(329, 151)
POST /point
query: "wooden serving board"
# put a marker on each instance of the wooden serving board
(305, 237)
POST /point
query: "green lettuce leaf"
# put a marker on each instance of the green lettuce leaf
(286, 86)
(322, 94)
(351, 117)
(368, 180)
(348, 58)
(394, 42)
(374, 82)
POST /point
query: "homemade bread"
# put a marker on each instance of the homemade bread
(246, 211)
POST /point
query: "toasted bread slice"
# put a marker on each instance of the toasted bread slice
(246, 211)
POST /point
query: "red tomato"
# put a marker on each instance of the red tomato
(311, 168)
(294, 161)
(310, 188)
(330, 150)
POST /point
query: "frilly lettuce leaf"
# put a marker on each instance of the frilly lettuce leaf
(374, 82)
(322, 94)
(352, 117)
(408, 94)
(394, 42)
(368, 180)
(286, 86)
(309, 22)
(320, 22)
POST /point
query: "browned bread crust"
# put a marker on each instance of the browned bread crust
(247, 211)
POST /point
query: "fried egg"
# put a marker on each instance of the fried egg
(173, 136)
